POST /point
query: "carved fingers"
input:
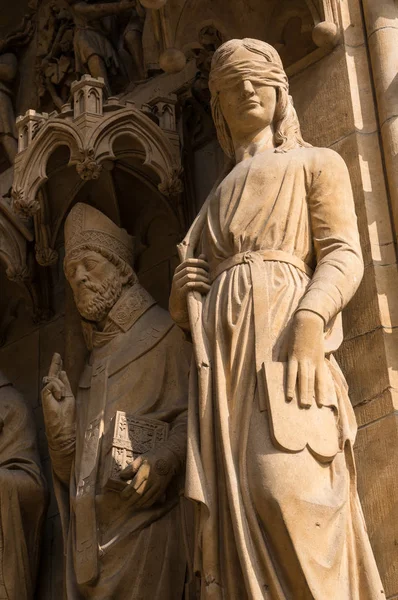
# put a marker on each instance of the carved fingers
(56, 383)
(56, 365)
(306, 362)
(192, 275)
(151, 478)
(58, 401)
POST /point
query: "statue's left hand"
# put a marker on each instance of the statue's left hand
(152, 474)
(306, 361)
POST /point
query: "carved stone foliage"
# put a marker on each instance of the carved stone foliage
(55, 62)
(88, 167)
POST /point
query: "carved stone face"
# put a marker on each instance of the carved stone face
(247, 107)
(96, 284)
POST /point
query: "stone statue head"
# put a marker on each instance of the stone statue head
(250, 89)
(98, 259)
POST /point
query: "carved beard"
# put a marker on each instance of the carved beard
(96, 306)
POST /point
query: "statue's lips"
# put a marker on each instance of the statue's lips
(84, 292)
(250, 104)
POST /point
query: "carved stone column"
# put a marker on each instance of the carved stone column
(382, 34)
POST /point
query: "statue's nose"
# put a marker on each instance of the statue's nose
(247, 89)
(80, 275)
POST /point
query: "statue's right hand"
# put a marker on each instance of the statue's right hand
(192, 275)
(58, 401)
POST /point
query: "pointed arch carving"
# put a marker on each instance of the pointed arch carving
(91, 141)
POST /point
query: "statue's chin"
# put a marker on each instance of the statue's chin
(95, 304)
(93, 314)
(96, 307)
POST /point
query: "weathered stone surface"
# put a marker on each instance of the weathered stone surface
(377, 485)
(136, 378)
(264, 326)
(344, 101)
(22, 496)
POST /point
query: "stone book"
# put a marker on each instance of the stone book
(127, 438)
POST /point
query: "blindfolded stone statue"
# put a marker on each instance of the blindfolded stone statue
(23, 497)
(118, 449)
(267, 267)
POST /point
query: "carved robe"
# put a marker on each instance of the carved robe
(90, 39)
(9, 62)
(23, 497)
(139, 364)
(277, 520)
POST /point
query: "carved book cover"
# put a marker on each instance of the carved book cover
(128, 437)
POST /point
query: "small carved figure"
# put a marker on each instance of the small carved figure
(55, 66)
(8, 132)
(267, 267)
(8, 73)
(94, 53)
(132, 39)
(23, 497)
(118, 450)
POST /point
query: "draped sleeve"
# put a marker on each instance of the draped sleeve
(23, 497)
(339, 267)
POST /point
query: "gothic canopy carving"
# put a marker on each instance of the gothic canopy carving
(90, 129)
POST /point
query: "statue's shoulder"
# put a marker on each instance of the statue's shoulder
(152, 328)
(319, 158)
(158, 324)
(157, 317)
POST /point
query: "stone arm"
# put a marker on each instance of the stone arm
(23, 496)
(62, 454)
(335, 235)
(19, 460)
(59, 411)
(97, 11)
(151, 473)
(176, 392)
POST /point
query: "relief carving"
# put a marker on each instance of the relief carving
(8, 75)
(55, 65)
(88, 168)
(20, 266)
(102, 39)
(124, 438)
(23, 497)
(267, 267)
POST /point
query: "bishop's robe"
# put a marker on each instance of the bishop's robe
(277, 521)
(23, 497)
(139, 364)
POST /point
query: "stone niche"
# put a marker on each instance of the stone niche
(147, 158)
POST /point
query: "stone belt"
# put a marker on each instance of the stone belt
(261, 302)
(264, 255)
